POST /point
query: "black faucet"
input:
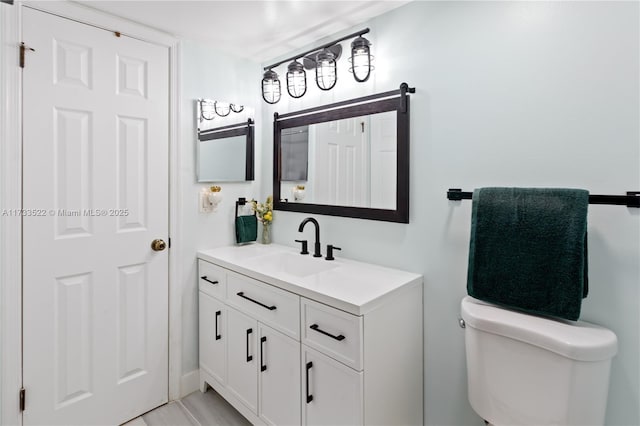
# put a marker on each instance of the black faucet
(317, 243)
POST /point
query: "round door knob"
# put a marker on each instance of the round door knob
(158, 245)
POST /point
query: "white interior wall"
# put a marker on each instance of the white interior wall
(207, 73)
(507, 94)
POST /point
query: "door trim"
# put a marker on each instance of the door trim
(11, 190)
(10, 227)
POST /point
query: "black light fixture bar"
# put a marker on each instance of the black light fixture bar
(300, 55)
(404, 89)
(202, 133)
(632, 199)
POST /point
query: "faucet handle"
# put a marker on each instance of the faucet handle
(304, 246)
(330, 249)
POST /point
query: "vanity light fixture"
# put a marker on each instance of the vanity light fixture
(361, 59)
(235, 108)
(270, 87)
(326, 71)
(324, 59)
(296, 80)
(221, 108)
(207, 110)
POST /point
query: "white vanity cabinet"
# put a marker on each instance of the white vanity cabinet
(342, 346)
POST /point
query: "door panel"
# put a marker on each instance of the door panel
(95, 152)
(335, 391)
(242, 359)
(342, 162)
(279, 379)
(213, 336)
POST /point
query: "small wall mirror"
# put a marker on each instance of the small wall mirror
(225, 143)
(346, 159)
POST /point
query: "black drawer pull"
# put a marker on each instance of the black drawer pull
(263, 366)
(218, 336)
(241, 294)
(249, 357)
(315, 327)
(309, 397)
(204, 277)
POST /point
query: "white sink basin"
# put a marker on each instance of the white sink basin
(293, 264)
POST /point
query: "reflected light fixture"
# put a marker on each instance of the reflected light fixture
(236, 108)
(270, 87)
(296, 80)
(206, 110)
(326, 76)
(221, 108)
(361, 59)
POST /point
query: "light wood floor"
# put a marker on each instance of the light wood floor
(196, 409)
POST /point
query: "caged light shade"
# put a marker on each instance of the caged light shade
(296, 80)
(361, 59)
(222, 108)
(326, 76)
(271, 87)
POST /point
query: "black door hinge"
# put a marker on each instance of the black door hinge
(23, 49)
(22, 398)
(169, 242)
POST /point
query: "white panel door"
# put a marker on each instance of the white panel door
(279, 381)
(342, 162)
(384, 160)
(213, 336)
(334, 392)
(96, 194)
(242, 359)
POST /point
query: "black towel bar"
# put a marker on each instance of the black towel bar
(632, 199)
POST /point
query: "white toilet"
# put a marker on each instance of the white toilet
(528, 370)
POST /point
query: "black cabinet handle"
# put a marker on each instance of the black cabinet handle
(249, 357)
(241, 294)
(309, 397)
(315, 327)
(218, 336)
(204, 277)
(263, 366)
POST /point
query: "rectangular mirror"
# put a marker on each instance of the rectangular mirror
(347, 159)
(224, 153)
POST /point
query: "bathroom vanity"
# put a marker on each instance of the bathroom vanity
(292, 339)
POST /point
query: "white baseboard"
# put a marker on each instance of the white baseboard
(189, 383)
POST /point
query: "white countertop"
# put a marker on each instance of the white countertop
(355, 287)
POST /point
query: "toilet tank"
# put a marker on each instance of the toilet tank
(529, 370)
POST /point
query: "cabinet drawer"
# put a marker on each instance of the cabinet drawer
(212, 279)
(334, 332)
(273, 306)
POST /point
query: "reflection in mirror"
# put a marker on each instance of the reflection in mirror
(295, 154)
(222, 159)
(347, 159)
(224, 147)
(350, 162)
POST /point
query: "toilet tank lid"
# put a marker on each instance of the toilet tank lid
(577, 340)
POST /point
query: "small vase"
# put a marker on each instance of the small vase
(266, 233)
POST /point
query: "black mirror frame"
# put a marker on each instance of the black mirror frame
(397, 100)
(229, 131)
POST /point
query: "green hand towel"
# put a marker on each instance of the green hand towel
(246, 229)
(528, 249)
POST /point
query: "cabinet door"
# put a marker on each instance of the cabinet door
(242, 358)
(279, 377)
(212, 336)
(331, 392)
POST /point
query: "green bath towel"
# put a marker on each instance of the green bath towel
(528, 249)
(246, 229)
